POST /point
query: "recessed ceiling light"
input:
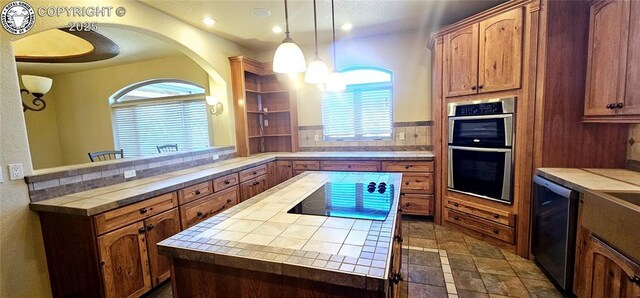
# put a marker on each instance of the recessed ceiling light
(346, 27)
(276, 29)
(260, 12)
(208, 21)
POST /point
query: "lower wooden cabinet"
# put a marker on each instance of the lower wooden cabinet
(482, 226)
(158, 228)
(395, 270)
(124, 261)
(605, 272)
(417, 204)
(278, 172)
(129, 258)
(208, 206)
(253, 187)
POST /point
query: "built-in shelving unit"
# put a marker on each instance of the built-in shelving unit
(265, 108)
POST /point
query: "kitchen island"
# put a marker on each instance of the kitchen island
(259, 249)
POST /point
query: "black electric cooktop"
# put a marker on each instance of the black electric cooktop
(351, 200)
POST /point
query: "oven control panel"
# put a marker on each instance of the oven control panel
(479, 109)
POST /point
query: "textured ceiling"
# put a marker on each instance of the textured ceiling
(369, 17)
(134, 47)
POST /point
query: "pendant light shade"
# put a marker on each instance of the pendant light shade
(288, 57)
(317, 70)
(335, 81)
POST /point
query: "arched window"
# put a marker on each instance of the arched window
(364, 111)
(159, 112)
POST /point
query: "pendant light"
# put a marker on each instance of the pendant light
(335, 81)
(317, 70)
(288, 57)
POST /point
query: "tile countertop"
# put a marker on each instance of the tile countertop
(91, 202)
(259, 234)
(593, 179)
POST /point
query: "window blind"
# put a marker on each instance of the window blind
(362, 112)
(139, 128)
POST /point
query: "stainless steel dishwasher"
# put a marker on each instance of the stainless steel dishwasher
(553, 230)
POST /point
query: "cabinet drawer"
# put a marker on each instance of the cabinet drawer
(416, 204)
(120, 217)
(417, 183)
(488, 213)
(225, 182)
(480, 225)
(253, 172)
(193, 192)
(306, 165)
(407, 166)
(206, 207)
(367, 166)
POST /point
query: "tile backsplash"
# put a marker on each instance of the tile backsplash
(56, 182)
(417, 137)
(633, 149)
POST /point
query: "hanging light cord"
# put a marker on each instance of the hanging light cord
(333, 26)
(315, 25)
(286, 18)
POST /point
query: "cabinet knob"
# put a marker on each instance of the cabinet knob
(406, 167)
(406, 183)
(304, 166)
(395, 278)
(398, 238)
(199, 214)
(228, 200)
(143, 210)
(610, 106)
(634, 279)
(495, 231)
(619, 105)
(481, 86)
(227, 182)
(456, 204)
(400, 210)
(456, 217)
(197, 192)
(150, 227)
(407, 204)
(141, 230)
(473, 87)
(496, 216)
(349, 166)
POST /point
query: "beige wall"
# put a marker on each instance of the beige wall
(42, 130)
(404, 53)
(633, 151)
(82, 108)
(23, 270)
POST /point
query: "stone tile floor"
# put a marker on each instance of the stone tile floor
(440, 262)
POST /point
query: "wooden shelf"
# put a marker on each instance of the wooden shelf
(278, 135)
(266, 92)
(254, 137)
(269, 112)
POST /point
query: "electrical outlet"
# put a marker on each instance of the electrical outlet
(266, 122)
(1, 177)
(401, 136)
(129, 174)
(16, 171)
(216, 157)
(316, 138)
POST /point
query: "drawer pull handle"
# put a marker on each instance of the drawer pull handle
(407, 167)
(402, 194)
(197, 192)
(227, 182)
(495, 231)
(634, 279)
(496, 216)
(407, 204)
(400, 210)
(304, 166)
(456, 204)
(398, 238)
(199, 214)
(456, 217)
(255, 173)
(141, 230)
(349, 166)
(228, 200)
(149, 227)
(473, 87)
(406, 183)
(419, 181)
(395, 278)
(143, 210)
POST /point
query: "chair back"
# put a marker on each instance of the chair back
(167, 148)
(106, 155)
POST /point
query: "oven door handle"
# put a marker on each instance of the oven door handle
(481, 149)
(492, 116)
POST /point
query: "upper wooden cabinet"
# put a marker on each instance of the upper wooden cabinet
(485, 56)
(612, 92)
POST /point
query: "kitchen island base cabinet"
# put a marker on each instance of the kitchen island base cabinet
(200, 280)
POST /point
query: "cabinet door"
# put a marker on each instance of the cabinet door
(125, 266)
(500, 52)
(632, 86)
(284, 171)
(272, 175)
(461, 65)
(610, 273)
(160, 227)
(261, 184)
(248, 189)
(606, 64)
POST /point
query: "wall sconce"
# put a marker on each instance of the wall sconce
(38, 87)
(216, 107)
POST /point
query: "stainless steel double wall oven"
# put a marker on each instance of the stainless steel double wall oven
(480, 157)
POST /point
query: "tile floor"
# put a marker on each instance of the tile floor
(439, 262)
